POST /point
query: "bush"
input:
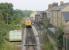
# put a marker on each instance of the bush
(3, 32)
(4, 29)
(48, 46)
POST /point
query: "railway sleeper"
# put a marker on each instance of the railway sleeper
(30, 45)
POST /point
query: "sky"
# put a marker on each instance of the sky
(36, 5)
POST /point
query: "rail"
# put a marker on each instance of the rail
(30, 41)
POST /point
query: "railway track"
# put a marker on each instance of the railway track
(29, 41)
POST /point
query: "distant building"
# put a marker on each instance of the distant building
(40, 16)
(54, 14)
(37, 18)
(59, 14)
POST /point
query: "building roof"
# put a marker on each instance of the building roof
(63, 5)
(55, 8)
(66, 9)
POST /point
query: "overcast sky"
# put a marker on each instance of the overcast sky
(31, 4)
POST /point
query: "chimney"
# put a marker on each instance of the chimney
(61, 2)
(55, 4)
(49, 6)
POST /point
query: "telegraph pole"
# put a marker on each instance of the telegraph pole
(7, 18)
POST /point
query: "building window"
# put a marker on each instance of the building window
(66, 21)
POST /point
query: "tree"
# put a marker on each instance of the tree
(6, 9)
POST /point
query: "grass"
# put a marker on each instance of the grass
(8, 46)
(4, 29)
(48, 46)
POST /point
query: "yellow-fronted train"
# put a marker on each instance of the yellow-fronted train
(28, 23)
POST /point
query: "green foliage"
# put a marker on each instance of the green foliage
(6, 11)
(19, 14)
(8, 14)
(8, 46)
(3, 32)
(48, 46)
(27, 13)
(10, 20)
(4, 29)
